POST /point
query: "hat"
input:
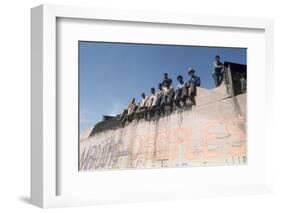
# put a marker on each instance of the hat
(191, 70)
(179, 76)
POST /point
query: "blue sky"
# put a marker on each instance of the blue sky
(112, 73)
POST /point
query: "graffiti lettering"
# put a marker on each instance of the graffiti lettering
(215, 139)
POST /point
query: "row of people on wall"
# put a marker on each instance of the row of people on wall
(165, 95)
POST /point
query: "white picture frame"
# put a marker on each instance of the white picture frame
(44, 149)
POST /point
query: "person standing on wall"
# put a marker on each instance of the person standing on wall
(218, 71)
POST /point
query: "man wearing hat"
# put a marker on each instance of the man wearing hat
(193, 83)
(181, 92)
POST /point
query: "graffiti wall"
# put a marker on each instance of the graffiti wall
(208, 135)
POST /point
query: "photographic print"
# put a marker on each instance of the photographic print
(161, 106)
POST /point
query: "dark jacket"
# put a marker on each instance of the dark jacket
(193, 83)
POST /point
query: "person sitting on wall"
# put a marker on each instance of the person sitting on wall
(218, 71)
(158, 100)
(181, 92)
(168, 96)
(154, 102)
(127, 114)
(193, 83)
(132, 109)
(142, 106)
(166, 79)
(149, 103)
(159, 94)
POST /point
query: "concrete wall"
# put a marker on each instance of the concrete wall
(212, 133)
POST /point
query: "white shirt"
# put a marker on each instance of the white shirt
(167, 91)
(180, 86)
(143, 101)
(155, 99)
(149, 101)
